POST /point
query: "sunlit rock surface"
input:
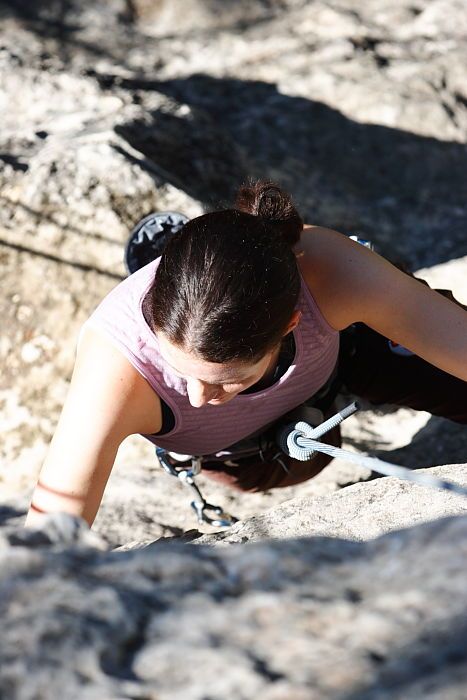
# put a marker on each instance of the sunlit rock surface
(114, 109)
(303, 617)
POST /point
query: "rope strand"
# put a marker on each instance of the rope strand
(299, 442)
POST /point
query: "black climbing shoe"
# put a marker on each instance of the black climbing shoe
(149, 237)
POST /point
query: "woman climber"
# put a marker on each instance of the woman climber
(247, 316)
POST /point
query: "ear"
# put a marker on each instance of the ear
(294, 321)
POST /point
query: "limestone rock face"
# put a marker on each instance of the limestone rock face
(309, 617)
(358, 512)
(114, 109)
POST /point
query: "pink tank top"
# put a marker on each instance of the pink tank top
(210, 429)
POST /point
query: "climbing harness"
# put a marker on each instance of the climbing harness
(300, 441)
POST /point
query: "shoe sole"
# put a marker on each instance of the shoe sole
(149, 237)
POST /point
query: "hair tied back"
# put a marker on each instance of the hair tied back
(267, 200)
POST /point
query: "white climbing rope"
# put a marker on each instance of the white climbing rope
(299, 441)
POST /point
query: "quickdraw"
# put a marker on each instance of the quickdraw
(187, 477)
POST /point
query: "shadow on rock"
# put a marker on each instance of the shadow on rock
(400, 189)
(9, 514)
(63, 20)
(320, 615)
(428, 665)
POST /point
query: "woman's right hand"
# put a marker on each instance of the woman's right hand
(108, 400)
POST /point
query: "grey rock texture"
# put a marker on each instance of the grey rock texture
(311, 617)
(111, 110)
(358, 512)
(56, 529)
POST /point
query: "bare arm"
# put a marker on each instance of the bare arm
(351, 284)
(107, 401)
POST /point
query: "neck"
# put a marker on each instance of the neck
(266, 379)
(270, 369)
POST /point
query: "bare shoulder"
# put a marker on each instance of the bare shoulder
(326, 258)
(351, 283)
(121, 388)
(321, 245)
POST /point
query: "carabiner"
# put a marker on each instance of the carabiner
(199, 504)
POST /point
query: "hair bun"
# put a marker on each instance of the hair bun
(268, 200)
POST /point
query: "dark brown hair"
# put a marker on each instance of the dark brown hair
(227, 283)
